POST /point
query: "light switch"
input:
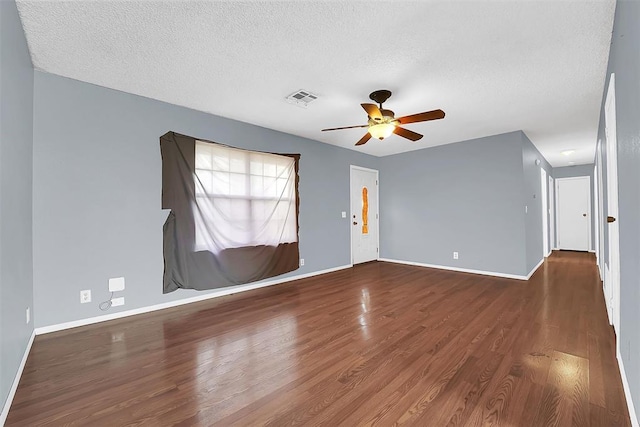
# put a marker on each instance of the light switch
(344, 214)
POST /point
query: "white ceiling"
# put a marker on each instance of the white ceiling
(492, 66)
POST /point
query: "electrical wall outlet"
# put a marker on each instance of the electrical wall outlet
(116, 284)
(117, 301)
(301, 262)
(85, 296)
(28, 315)
(455, 255)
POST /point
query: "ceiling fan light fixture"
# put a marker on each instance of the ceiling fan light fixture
(382, 130)
(382, 122)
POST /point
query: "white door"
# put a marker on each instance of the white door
(552, 215)
(545, 213)
(364, 215)
(612, 203)
(574, 207)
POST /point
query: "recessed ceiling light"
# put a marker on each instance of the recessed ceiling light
(567, 152)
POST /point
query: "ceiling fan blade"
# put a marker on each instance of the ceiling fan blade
(346, 127)
(422, 117)
(373, 111)
(406, 133)
(364, 139)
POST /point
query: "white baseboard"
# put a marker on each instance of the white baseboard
(607, 302)
(600, 273)
(464, 270)
(534, 269)
(627, 392)
(16, 381)
(222, 292)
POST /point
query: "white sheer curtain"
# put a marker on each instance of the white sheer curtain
(243, 198)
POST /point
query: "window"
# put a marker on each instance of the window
(243, 198)
(234, 214)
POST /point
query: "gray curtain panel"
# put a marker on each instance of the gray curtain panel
(234, 214)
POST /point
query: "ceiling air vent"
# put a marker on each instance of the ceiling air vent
(301, 98)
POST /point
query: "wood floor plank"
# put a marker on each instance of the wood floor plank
(379, 344)
(596, 380)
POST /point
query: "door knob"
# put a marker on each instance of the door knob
(611, 219)
(584, 214)
(355, 223)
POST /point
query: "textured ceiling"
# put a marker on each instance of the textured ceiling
(492, 66)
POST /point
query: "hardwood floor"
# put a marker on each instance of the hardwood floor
(379, 344)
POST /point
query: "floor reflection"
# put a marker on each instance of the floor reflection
(363, 319)
(238, 366)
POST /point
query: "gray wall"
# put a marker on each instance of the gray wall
(533, 201)
(581, 170)
(16, 142)
(466, 197)
(97, 185)
(96, 193)
(624, 61)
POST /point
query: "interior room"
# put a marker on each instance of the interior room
(450, 190)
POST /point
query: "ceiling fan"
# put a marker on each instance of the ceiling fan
(382, 123)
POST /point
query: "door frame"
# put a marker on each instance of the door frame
(552, 214)
(558, 181)
(596, 215)
(544, 199)
(360, 168)
(599, 187)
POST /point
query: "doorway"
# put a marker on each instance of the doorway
(596, 214)
(552, 215)
(574, 213)
(600, 207)
(364, 215)
(612, 270)
(545, 213)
